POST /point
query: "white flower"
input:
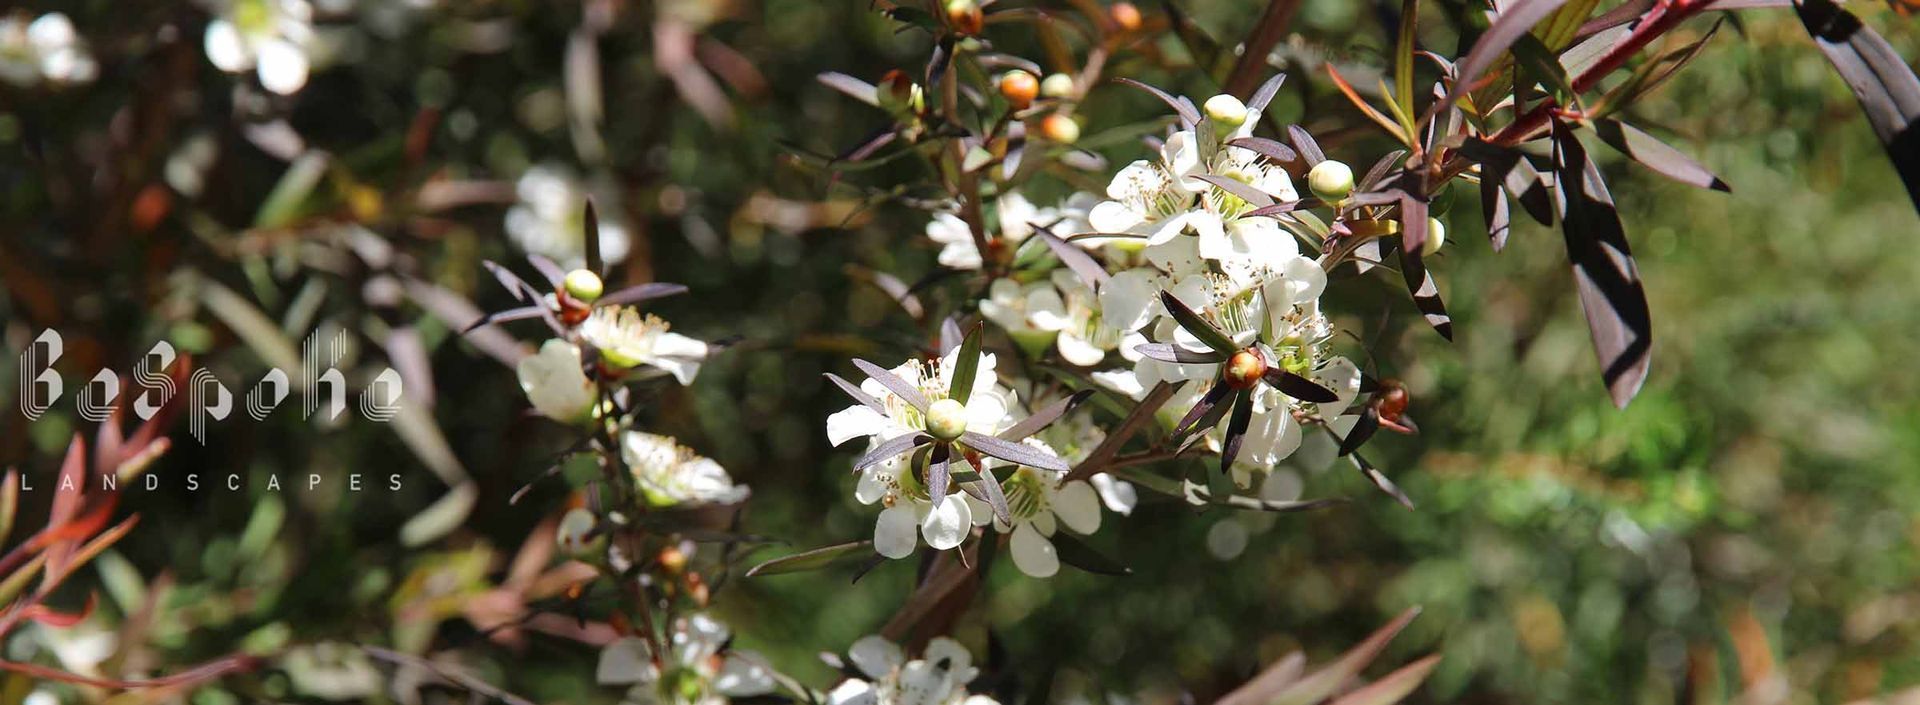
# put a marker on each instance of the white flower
(1016, 217)
(1084, 333)
(1038, 502)
(626, 338)
(550, 219)
(46, 49)
(270, 37)
(696, 670)
(555, 382)
(892, 482)
(1075, 437)
(938, 677)
(668, 473)
(1032, 314)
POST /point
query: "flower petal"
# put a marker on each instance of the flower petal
(1078, 506)
(1119, 495)
(854, 422)
(894, 533)
(1033, 553)
(282, 67)
(744, 674)
(948, 524)
(875, 656)
(625, 662)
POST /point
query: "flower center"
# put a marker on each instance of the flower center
(1026, 493)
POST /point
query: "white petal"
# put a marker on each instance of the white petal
(923, 683)
(1078, 506)
(959, 660)
(625, 662)
(894, 533)
(1122, 381)
(283, 67)
(1213, 236)
(987, 411)
(1045, 310)
(1123, 184)
(225, 49)
(1113, 217)
(1119, 495)
(1126, 301)
(1341, 376)
(855, 421)
(853, 692)
(872, 485)
(1077, 350)
(1165, 230)
(744, 674)
(875, 656)
(1033, 553)
(960, 255)
(948, 524)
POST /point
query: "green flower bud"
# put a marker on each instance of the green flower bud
(1436, 236)
(584, 285)
(1330, 180)
(1057, 85)
(947, 419)
(1226, 110)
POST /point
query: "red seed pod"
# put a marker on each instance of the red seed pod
(965, 17)
(1245, 369)
(1019, 88)
(1125, 16)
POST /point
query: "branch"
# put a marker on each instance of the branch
(1102, 457)
(1260, 42)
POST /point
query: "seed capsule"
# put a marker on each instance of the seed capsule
(584, 285)
(1245, 368)
(1226, 110)
(1057, 85)
(1019, 88)
(1125, 16)
(947, 419)
(1436, 236)
(965, 16)
(1060, 128)
(1330, 180)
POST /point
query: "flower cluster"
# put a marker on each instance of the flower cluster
(272, 38)
(46, 49)
(939, 677)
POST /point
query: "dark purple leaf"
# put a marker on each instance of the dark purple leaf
(1304, 144)
(1656, 155)
(950, 335)
(990, 486)
(520, 289)
(1380, 169)
(1604, 271)
(1046, 415)
(1496, 211)
(1237, 431)
(1241, 189)
(1299, 387)
(548, 269)
(1188, 115)
(891, 448)
(1196, 325)
(1380, 480)
(858, 394)
(893, 383)
(1082, 264)
(1194, 420)
(1888, 91)
(512, 314)
(1265, 94)
(1420, 282)
(591, 231)
(1271, 149)
(1017, 453)
(1362, 430)
(1169, 352)
(881, 137)
(859, 90)
(937, 475)
(1512, 24)
(642, 292)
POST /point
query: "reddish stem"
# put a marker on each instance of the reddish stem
(1657, 22)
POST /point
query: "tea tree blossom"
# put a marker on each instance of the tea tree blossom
(938, 677)
(269, 37)
(556, 383)
(548, 219)
(670, 474)
(628, 339)
(1038, 504)
(697, 668)
(46, 49)
(1016, 218)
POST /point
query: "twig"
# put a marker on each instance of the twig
(1101, 459)
(1265, 36)
(471, 683)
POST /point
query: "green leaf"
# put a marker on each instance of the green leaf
(1079, 555)
(967, 367)
(814, 559)
(1403, 58)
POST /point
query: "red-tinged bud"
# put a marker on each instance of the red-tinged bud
(1125, 16)
(1245, 369)
(965, 17)
(1019, 88)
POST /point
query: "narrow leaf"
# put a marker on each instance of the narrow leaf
(1017, 453)
(1168, 352)
(1188, 115)
(1074, 552)
(1298, 387)
(1888, 91)
(1604, 271)
(893, 383)
(1271, 149)
(1515, 21)
(937, 475)
(1237, 431)
(857, 393)
(1323, 682)
(1040, 419)
(891, 448)
(1196, 325)
(1303, 143)
(591, 231)
(1082, 264)
(1362, 430)
(642, 292)
(814, 559)
(966, 366)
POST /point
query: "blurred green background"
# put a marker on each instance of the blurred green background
(1744, 531)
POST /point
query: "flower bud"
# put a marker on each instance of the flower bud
(1436, 236)
(584, 285)
(1019, 88)
(898, 94)
(947, 419)
(1057, 85)
(1125, 16)
(1060, 128)
(1226, 110)
(575, 534)
(1245, 368)
(965, 16)
(1330, 180)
